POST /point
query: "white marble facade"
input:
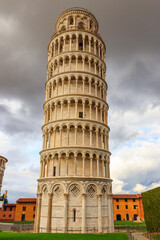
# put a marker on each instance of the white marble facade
(74, 191)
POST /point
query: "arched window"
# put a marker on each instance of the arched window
(71, 21)
(127, 217)
(81, 25)
(63, 28)
(135, 217)
(74, 215)
(118, 217)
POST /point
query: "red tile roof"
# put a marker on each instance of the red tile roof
(126, 195)
(10, 205)
(26, 200)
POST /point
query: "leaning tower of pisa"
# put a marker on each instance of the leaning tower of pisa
(74, 191)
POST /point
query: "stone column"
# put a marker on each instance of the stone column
(90, 86)
(75, 136)
(59, 166)
(76, 85)
(97, 166)
(69, 63)
(55, 109)
(83, 212)
(83, 136)
(47, 169)
(99, 213)
(110, 213)
(103, 172)
(70, 43)
(68, 109)
(83, 60)
(83, 44)
(96, 88)
(83, 163)
(67, 136)
(83, 86)
(49, 212)
(75, 165)
(54, 136)
(89, 45)
(65, 212)
(66, 166)
(96, 112)
(96, 138)
(95, 47)
(76, 103)
(91, 167)
(90, 137)
(60, 137)
(90, 111)
(61, 110)
(76, 63)
(83, 109)
(89, 65)
(38, 213)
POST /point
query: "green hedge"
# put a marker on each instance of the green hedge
(151, 206)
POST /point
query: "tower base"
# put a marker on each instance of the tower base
(74, 205)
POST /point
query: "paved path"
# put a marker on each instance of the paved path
(138, 236)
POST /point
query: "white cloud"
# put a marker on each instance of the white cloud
(139, 188)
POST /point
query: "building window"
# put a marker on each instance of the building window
(118, 217)
(33, 215)
(117, 200)
(126, 200)
(74, 215)
(34, 208)
(135, 206)
(4, 215)
(126, 206)
(134, 200)
(23, 217)
(9, 215)
(10, 208)
(24, 208)
(80, 114)
(5, 209)
(54, 171)
(117, 206)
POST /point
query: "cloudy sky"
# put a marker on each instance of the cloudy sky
(131, 32)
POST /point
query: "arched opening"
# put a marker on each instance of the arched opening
(127, 217)
(81, 25)
(135, 217)
(118, 217)
(70, 20)
(63, 28)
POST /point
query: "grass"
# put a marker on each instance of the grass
(116, 223)
(62, 236)
(17, 222)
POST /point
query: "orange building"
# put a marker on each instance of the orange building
(128, 207)
(25, 209)
(7, 213)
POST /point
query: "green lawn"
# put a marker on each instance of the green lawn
(128, 223)
(62, 236)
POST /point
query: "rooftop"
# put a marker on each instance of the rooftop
(26, 200)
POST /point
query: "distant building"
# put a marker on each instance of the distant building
(128, 207)
(8, 212)
(3, 162)
(25, 209)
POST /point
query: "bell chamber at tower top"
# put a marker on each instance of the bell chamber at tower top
(77, 19)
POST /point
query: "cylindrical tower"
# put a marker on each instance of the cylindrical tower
(74, 189)
(3, 162)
